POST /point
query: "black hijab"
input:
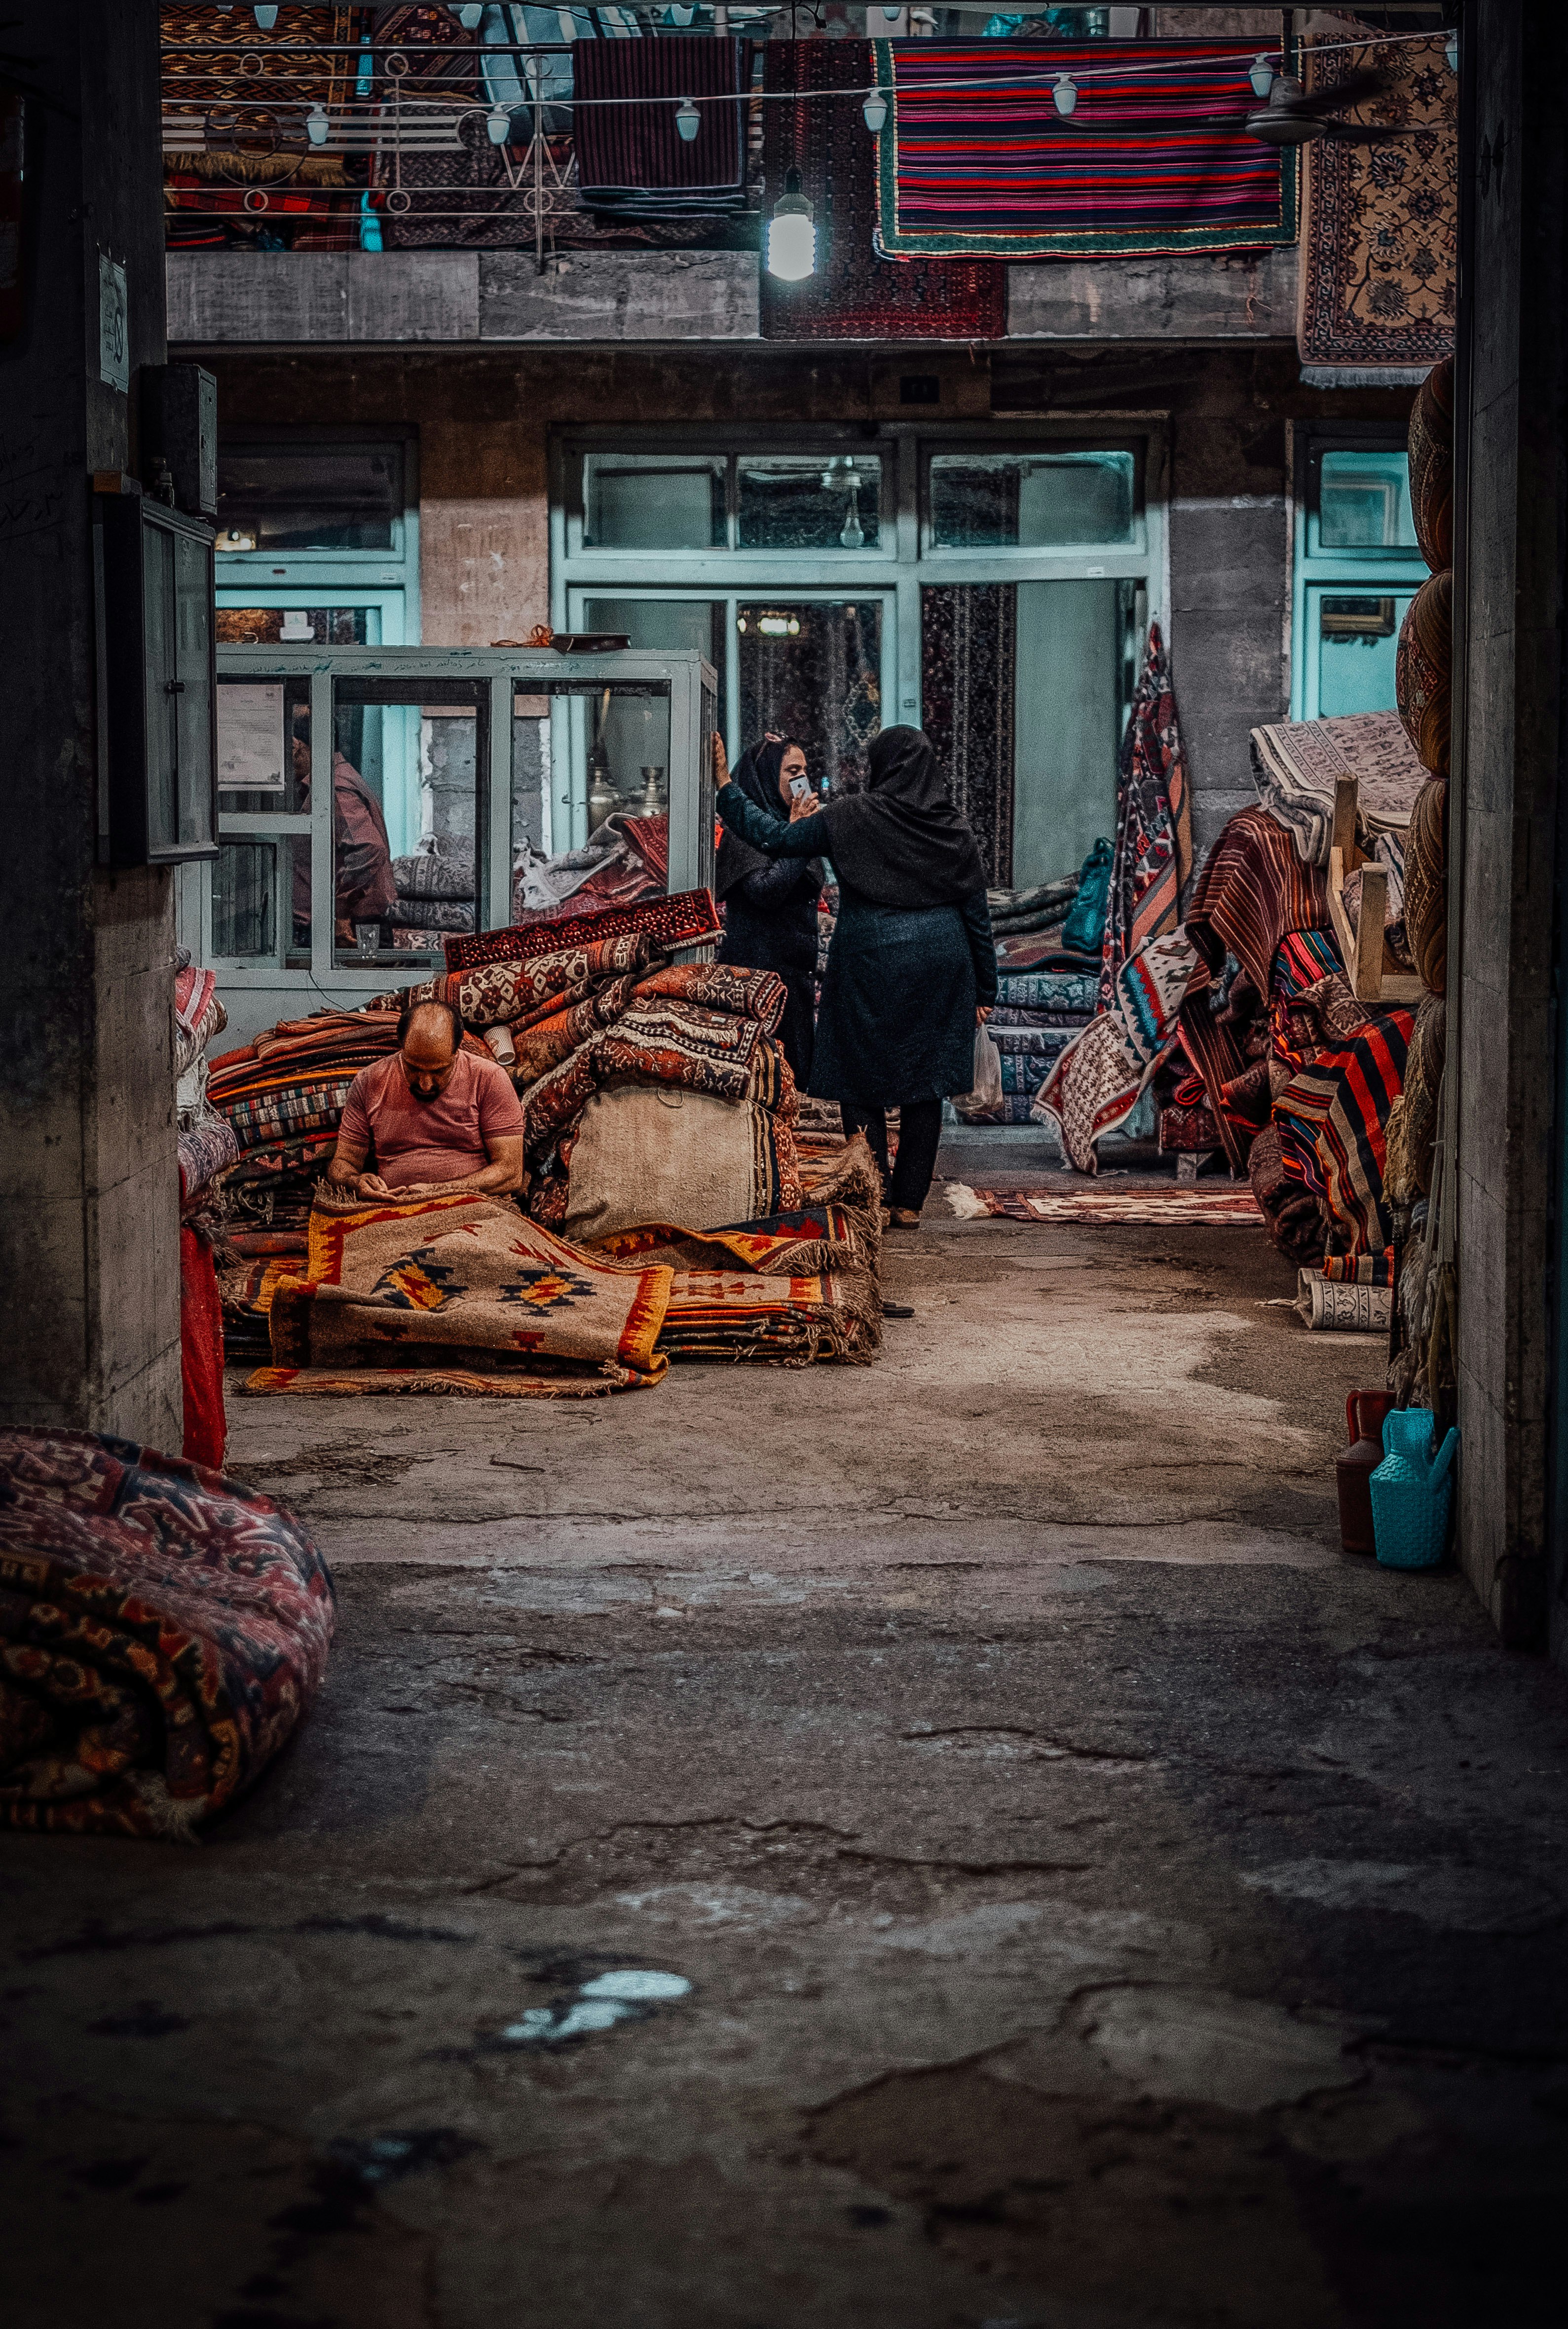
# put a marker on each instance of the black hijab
(756, 772)
(901, 842)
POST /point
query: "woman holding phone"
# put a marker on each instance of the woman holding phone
(912, 968)
(770, 903)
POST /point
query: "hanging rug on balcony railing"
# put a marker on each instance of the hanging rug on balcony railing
(975, 157)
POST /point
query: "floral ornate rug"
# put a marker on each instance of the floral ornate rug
(162, 1631)
(1380, 227)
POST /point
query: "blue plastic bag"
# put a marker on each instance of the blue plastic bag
(1083, 931)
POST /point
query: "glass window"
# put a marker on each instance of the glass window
(789, 504)
(325, 626)
(245, 901)
(294, 497)
(653, 500)
(813, 670)
(1031, 501)
(1363, 501)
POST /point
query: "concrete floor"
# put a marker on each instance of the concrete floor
(1079, 1897)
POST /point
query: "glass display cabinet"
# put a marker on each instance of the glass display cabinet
(374, 801)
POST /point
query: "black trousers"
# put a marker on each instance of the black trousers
(919, 1137)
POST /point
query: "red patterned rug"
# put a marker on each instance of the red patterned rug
(162, 1631)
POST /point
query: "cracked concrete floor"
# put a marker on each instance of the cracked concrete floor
(951, 1845)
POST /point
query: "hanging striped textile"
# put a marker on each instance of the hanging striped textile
(1154, 160)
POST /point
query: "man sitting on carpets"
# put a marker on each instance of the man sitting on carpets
(438, 1118)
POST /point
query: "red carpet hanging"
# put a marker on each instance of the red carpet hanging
(975, 157)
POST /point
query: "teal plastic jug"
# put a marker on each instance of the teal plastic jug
(1412, 1490)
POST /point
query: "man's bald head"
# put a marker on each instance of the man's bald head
(429, 1038)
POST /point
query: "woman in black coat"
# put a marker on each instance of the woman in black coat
(770, 903)
(912, 968)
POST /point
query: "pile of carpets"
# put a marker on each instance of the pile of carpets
(465, 1296)
(162, 1632)
(436, 891)
(206, 1147)
(656, 1103)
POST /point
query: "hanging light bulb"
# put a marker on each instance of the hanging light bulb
(792, 235)
(498, 125)
(1065, 95)
(875, 111)
(680, 16)
(316, 123)
(1450, 50)
(688, 119)
(265, 18)
(892, 14)
(469, 17)
(1262, 75)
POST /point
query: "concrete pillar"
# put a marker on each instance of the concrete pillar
(89, 1184)
(1505, 819)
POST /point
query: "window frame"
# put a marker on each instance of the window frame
(1366, 572)
(903, 560)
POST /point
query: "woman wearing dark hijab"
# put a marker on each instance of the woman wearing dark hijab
(770, 903)
(912, 966)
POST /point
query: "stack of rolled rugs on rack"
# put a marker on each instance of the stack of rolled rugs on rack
(1045, 994)
(669, 1212)
(1422, 1368)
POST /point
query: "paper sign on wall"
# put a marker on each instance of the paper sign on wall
(250, 742)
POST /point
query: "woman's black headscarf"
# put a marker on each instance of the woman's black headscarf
(901, 842)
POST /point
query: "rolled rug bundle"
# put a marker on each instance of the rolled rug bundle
(1426, 887)
(1422, 668)
(1432, 466)
(1412, 1118)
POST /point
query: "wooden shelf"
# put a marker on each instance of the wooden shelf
(1371, 969)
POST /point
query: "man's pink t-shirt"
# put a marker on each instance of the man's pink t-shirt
(442, 1139)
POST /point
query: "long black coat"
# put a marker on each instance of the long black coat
(896, 1018)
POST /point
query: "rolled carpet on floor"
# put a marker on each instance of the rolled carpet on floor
(162, 1631)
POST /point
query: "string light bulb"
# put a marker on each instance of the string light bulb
(1065, 95)
(1262, 75)
(469, 17)
(688, 119)
(680, 16)
(265, 18)
(498, 125)
(1450, 50)
(892, 14)
(792, 234)
(316, 123)
(875, 112)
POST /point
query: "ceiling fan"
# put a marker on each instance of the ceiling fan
(1291, 117)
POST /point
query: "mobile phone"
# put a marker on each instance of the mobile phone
(799, 787)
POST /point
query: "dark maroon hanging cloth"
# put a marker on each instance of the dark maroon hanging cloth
(854, 294)
(629, 149)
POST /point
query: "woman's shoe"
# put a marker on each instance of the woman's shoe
(899, 1217)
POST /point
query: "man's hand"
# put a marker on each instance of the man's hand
(983, 1012)
(803, 804)
(720, 762)
(370, 1185)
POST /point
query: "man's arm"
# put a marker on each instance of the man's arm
(347, 1169)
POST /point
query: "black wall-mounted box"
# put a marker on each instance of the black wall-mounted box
(180, 432)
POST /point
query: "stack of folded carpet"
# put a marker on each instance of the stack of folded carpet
(435, 891)
(1037, 1013)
